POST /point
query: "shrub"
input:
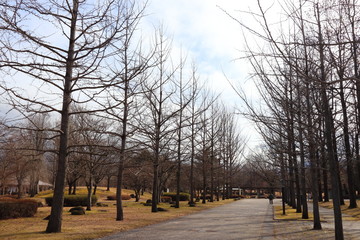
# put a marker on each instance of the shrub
(183, 196)
(15, 208)
(123, 197)
(77, 211)
(74, 200)
(148, 202)
(111, 197)
(166, 199)
(99, 204)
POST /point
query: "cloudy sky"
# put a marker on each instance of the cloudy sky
(213, 40)
(205, 32)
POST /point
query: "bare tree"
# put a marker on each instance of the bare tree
(128, 69)
(156, 121)
(62, 66)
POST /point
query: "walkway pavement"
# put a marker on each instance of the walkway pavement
(245, 219)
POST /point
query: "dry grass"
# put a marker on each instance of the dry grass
(96, 223)
(291, 214)
(353, 213)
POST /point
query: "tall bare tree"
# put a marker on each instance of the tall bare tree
(61, 66)
(156, 122)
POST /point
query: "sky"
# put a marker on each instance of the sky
(215, 41)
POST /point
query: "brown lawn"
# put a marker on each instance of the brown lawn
(291, 214)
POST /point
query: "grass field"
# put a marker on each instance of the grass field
(96, 223)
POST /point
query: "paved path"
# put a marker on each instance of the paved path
(245, 219)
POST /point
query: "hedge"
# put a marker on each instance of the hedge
(166, 199)
(77, 211)
(123, 197)
(183, 196)
(16, 208)
(74, 200)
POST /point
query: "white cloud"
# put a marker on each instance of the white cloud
(212, 39)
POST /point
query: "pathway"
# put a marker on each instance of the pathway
(244, 219)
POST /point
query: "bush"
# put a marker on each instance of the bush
(123, 197)
(77, 211)
(73, 200)
(99, 204)
(183, 196)
(111, 197)
(166, 199)
(148, 202)
(16, 208)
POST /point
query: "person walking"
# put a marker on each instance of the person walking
(271, 198)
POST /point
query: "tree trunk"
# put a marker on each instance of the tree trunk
(283, 180)
(312, 156)
(348, 154)
(74, 188)
(178, 175)
(19, 187)
(155, 192)
(204, 179)
(320, 191)
(137, 195)
(305, 213)
(89, 195)
(95, 188)
(325, 172)
(354, 51)
(55, 220)
(70, 188)
(339, 235)
(108, 183)
(119, 207)
(292, 201)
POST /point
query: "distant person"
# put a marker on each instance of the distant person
(271, 198)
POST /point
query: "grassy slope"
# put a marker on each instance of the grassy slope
(96, 223)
